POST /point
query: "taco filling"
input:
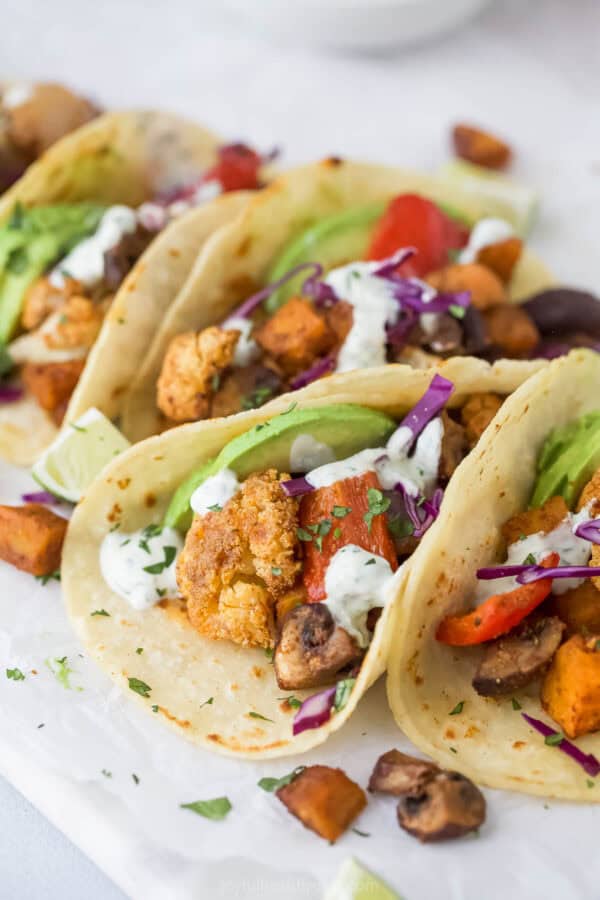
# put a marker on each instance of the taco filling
(61, 266)
(289, 539)
(538, 612)
(416, 286)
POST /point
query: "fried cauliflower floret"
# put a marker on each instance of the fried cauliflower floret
(43, 298)
(531, 521)
(591, 494)
(47, 115)
(239, 561)
(186, 382)
(78, 325)
(477, 413)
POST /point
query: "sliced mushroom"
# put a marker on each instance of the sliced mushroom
(448, 806)
(397, 773)
(311, 649)
(513, 661)
(446, 337)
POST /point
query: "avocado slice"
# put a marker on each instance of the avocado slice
(344, 427)
(32, 241)
(568, 460)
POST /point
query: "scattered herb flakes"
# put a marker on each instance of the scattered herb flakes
(529, 560)
(77, 427)
(15, 675)
(273, 784)
(100, 612)
(361, 833)
(140, 687)
(211, 809)
(216, 507)
(370, 562)
(139, 650)
(159, 567)
(457, 709)
(208, 702)
(291, 701)
(154, 708)
(343, 690)
(457, 311)
(341, 511)
(590, 783)
(400, 527)
(41, 725)
(276, 570)
(515, 704)
(50, 576)
(135, 778)
(290, 409)
(303, 534)
(62, 671)
(552, 740)
(269, 653)
(255, 715)
(337, 533)
(378, 504)
(257, 398)
(160, 592)
(453, 750)
(106, 773)
(114, 527)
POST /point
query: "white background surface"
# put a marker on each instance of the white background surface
(529, 69)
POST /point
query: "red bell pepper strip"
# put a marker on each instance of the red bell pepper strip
(334, 516)
(414, 221)
(498, 614)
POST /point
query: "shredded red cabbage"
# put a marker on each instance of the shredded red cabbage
(433, 400)
(397, 334)
(388, 266)
(315, 711)
(441, 303)
(589, 531)
(40, 497)
(421, 512)
(587, 761)
(526, 574)
(295, 487)
(245, 310)
(321, 293)
(10, 393)
(320, 368)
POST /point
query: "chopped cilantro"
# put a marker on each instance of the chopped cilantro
(378, 504)
(457, 709)
(41, 725)
(343, 690)
(216, 507)
(154, 707)
(529, 560)
(337, 533)
(453, 750)
(370, 562)
(211, 809)
(15, 675)
(291, 701)
(50, 576)
(590, 783)
(135, 778)
(276, 570)
(139, 650)
(457, 311)
(290, 408)
(361, 833)
(100, 612)
(114, 527)
(208, 702)
(161, 591)
(158, 568)
(77, 427)
(62, 671)
(400, 527)
(255, 715)
(273, 784)
(303, 535)
(341, 511)
(552, 740)
(140, 687)
(269, 652)
(257, 397)
(515, 704)
(106, 773)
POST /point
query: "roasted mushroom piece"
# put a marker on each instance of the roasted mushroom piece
(448, 806)
(311, 649)
(397, 773)
(513, 661)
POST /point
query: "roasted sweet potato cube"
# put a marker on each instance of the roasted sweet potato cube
(477, 413)
(480, 147)
(501, 257)
(571, 688)
(579, 608)
(31, 538)
(510, 329)
(397, 773)
(324, 799)
(52, 383)
(485, 287)
(295, 336)
(340, 318)
(546, 518)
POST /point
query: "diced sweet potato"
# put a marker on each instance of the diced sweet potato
(324, 799)
(31, 538)
(510, 329)
(501, 257)
(480, 147)
(571, 688)
(579, 608)
(52, 383)
(477, 413)
(485, 287)
(295, 336)
(340, 318)
(546, 518)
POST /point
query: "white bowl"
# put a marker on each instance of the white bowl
(355, 24)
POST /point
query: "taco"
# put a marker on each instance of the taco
(496, 665)
(353, 266)
(77, 299)
(212, 546)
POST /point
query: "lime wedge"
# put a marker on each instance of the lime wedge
(492, 194)
(353, 882)
(78, 455)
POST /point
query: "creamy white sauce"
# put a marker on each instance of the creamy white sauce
(152, 216)
(207, 191)
(485, 232)
(573, 551)
(246, 349)
(123, 561)
(214, 492)
(307, 453)
(85, 262)
(17, 94)
(373, 307)
(33, 347)
(417, 472)
(355, 583)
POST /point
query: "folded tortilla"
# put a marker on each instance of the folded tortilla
(489, 740)
(182, 668)
(125, 158)
(240, 258)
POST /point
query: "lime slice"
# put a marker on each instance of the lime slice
(353, 882)
(492, 194)
(78, 455)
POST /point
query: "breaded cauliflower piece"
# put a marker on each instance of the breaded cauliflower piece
(185, 384)
(591, 494)
(42, 298)
(239, 561)
(77, 326)
(545, 519)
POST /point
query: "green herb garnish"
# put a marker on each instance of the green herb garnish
(341, 511)
(140, 687)
(158, 568)
(15, 675)
(51, 576)
(457, 709)
(553, 740)
(211, 809)
(100, 612)
(255, 715)
(273, 784)
(515, 704)
(343, 689)
(378, 504)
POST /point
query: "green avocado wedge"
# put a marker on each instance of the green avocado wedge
(30, 243)
(568, 460)
(343, 427)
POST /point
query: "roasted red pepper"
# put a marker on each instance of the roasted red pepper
(498, 614)
(344, 513)
(414, 221)
(238, 168)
